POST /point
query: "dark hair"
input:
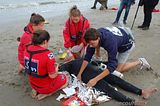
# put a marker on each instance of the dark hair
(91, 34)
(74, 11)
(40, 36)
(36, 19)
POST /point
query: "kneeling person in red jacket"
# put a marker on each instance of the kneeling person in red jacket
(39, 64)
(36, 23)
(74, 29)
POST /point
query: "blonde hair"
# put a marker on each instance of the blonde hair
(74, 11)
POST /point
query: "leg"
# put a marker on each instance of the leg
(106, 4)
(123, 57)
(141, 61)
(149, 9)
(148, 16)
(42, 96)
(103, 4)
(111, 92)
(127, 66)
(126, 12)
(119, 12)
(34, 93)
(72, 67)
(95, 3)
(145, 16)
(146, 93)
(20, 68)
(61, 82)
(114, 80)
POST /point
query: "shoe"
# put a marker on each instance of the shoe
(145, 28)
(93, 7)
(141, 26)
(115, 23)
(144, 63)
(124, 22)
(106, 8)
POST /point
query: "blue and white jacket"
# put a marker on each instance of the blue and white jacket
(114, 40)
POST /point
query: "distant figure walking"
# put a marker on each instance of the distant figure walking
(124, 4)
(102, 2)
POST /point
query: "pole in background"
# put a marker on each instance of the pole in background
(139, 4)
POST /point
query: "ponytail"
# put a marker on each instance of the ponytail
(36, 19)
(40, 36)
(74, 11)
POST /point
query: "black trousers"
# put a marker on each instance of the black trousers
(105, 84)
(147, 9)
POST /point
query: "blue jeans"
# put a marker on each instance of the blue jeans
(123, 3)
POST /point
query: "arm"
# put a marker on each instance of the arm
(86, 26)
(53, 75)
(25, 39)
(81, 45)
(52, 68)
(21, 49)
(84, 65)
(66, 35)
(89, 53)
(111, 48)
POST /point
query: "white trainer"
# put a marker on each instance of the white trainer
(144, 63)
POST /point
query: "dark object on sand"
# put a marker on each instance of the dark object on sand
(102, 2)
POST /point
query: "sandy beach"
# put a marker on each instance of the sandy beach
(14, 88)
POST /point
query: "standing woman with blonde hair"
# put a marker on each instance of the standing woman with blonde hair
(74, 30)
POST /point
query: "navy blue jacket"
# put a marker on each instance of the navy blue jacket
(113, 40)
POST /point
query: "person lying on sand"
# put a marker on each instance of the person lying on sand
(106, 84)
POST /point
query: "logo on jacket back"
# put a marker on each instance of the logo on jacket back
(115, 31)
(34, 65)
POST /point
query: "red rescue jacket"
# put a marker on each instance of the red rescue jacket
(73, 33)
(24, 40)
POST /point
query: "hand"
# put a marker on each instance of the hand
(20, 68)
(91, 83)
(81, 46)
(79, 77)
(68, 59)
(57, 66)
